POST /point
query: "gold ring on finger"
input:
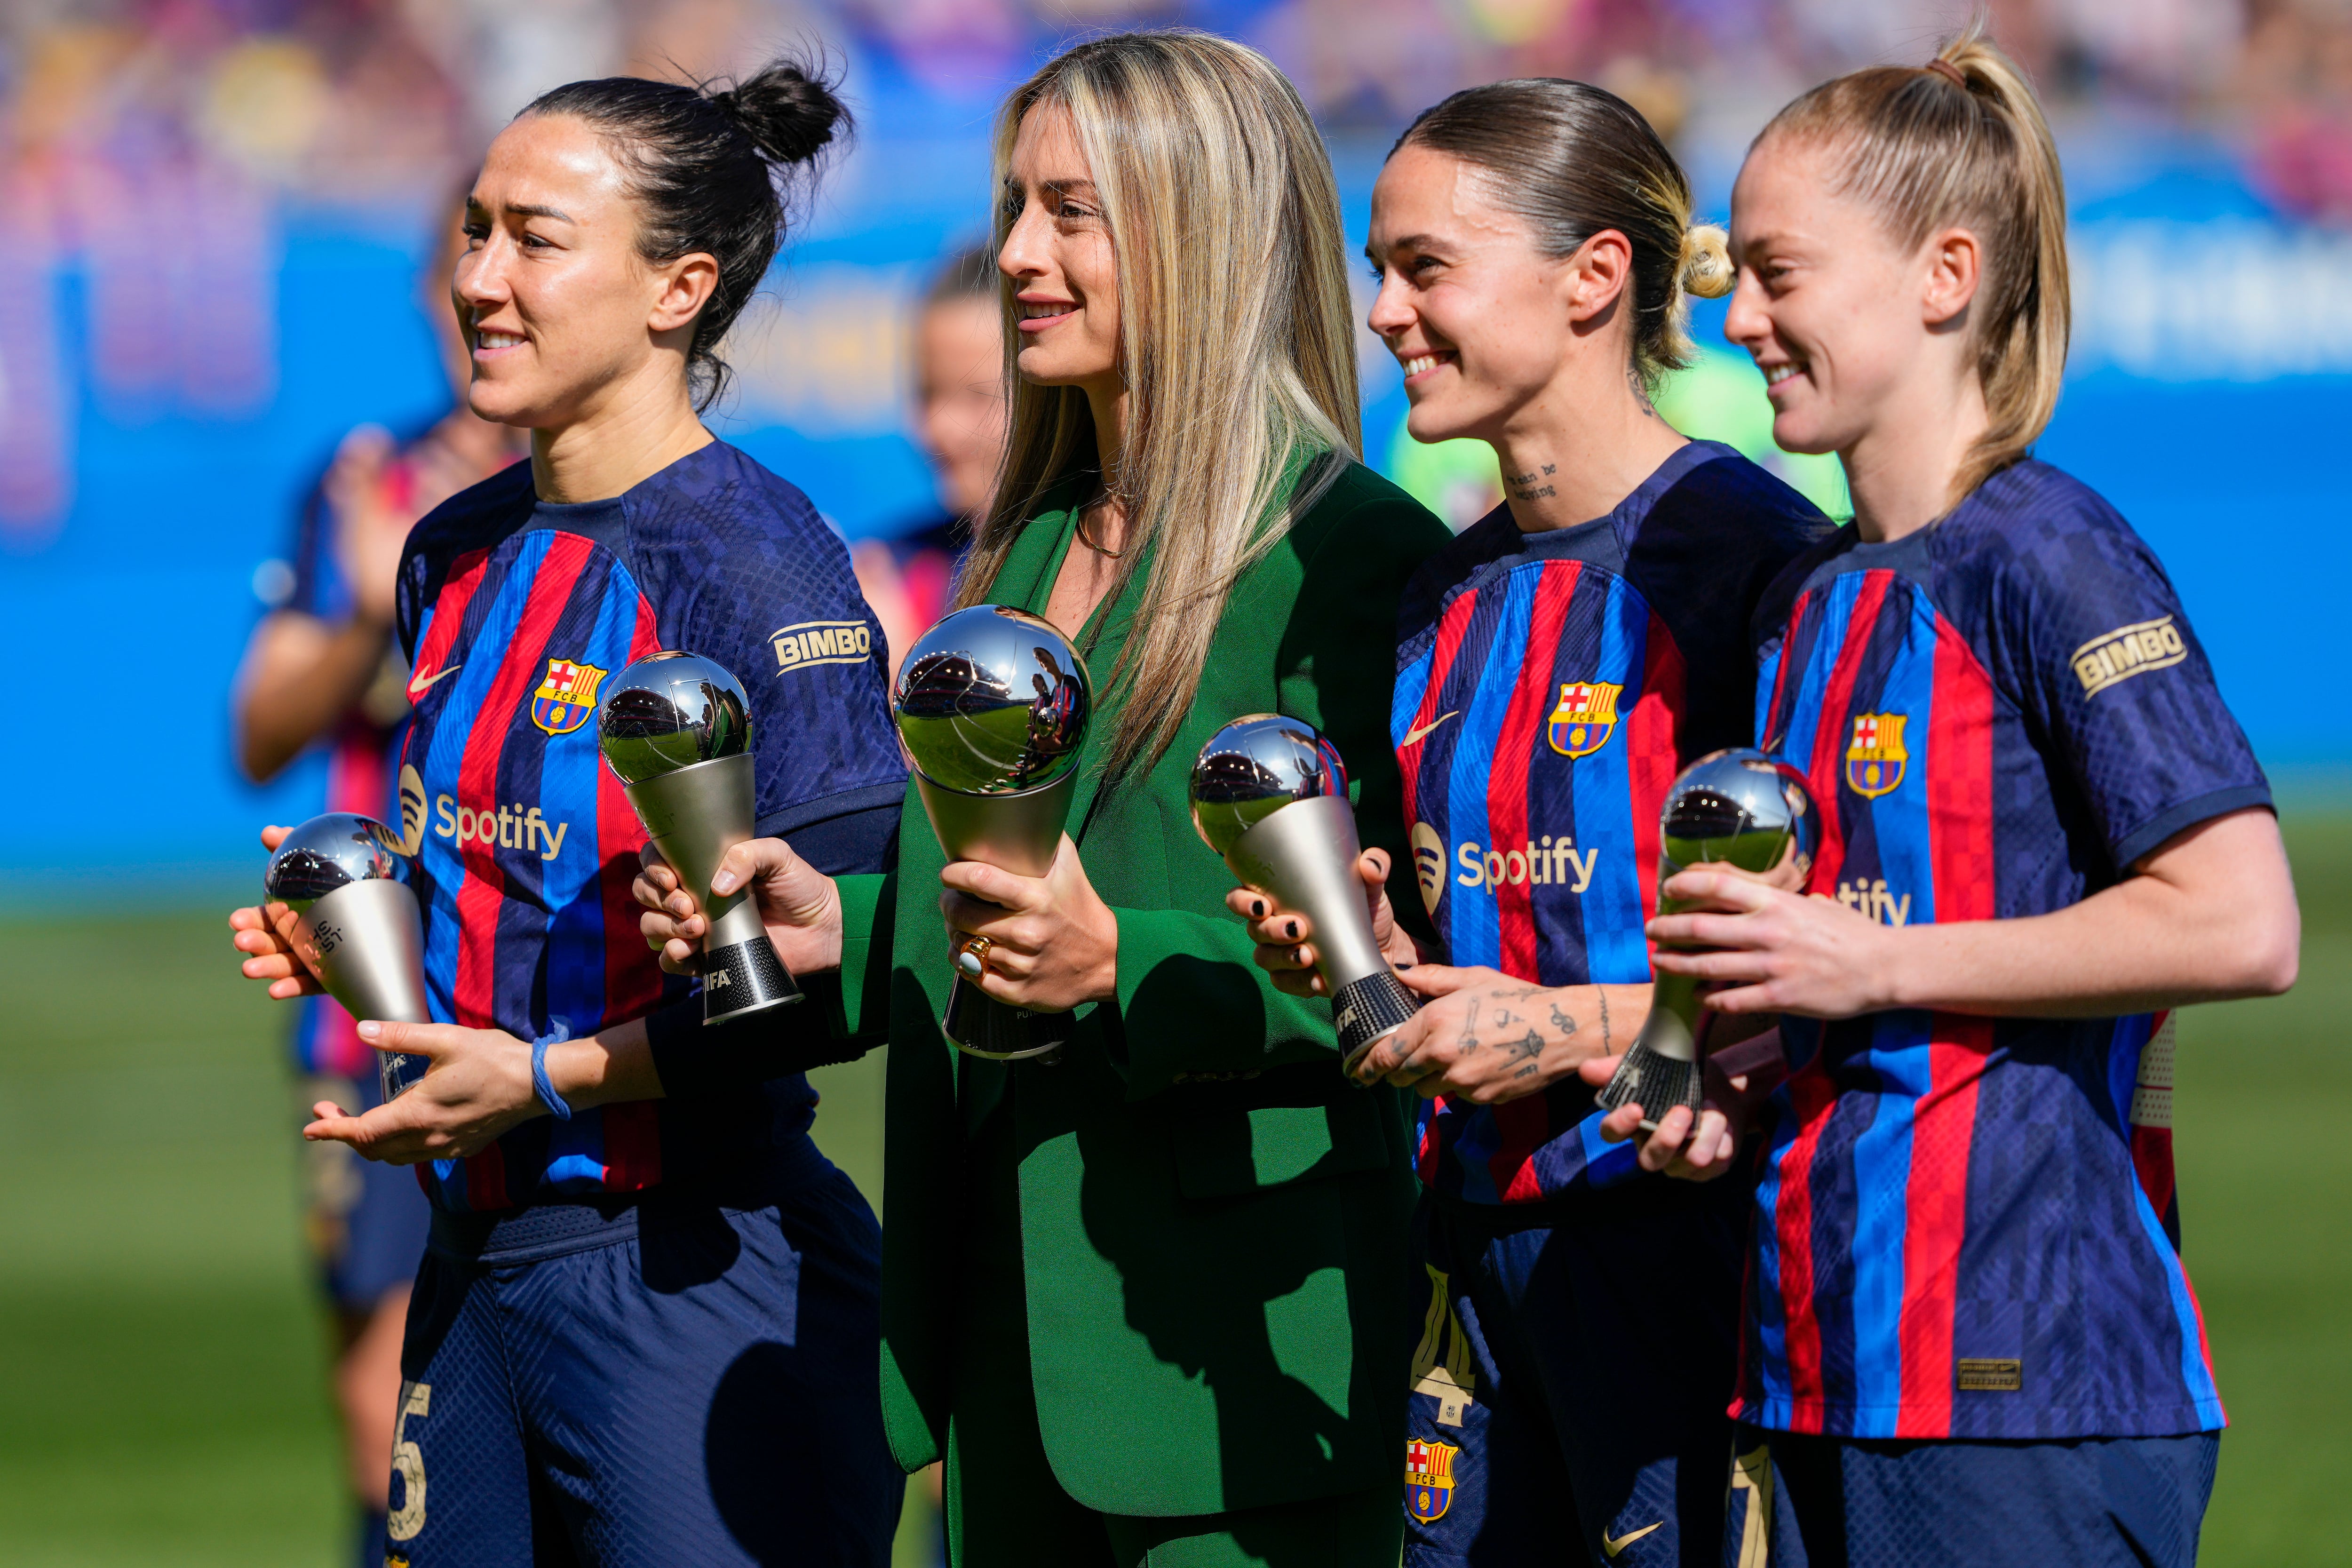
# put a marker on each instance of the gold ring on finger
(972, 958)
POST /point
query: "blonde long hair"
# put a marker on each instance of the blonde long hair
(1236, 339)
(1963, 142)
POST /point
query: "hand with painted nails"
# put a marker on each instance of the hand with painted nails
(1284, 939)
(800, 906)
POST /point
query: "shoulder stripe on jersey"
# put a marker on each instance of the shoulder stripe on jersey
(1517, 735)
(633, 980)
(1954, 881)
(1878, 1152)
(1772, 712)
(1521, 1125)
(1826, 760)
(1413, 707)
(446, 615)
(572, 885)
(1607, 811)
(1653, 745)
(544, 600)
(486, 622)
(1474, 935)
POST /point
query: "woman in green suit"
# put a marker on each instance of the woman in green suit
(1148, 1299)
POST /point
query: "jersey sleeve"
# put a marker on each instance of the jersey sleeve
(786, 616)
(2101, 655)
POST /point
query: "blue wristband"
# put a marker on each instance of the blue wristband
(539, 1078)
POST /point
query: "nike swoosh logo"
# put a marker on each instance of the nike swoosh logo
(1413, 735)
(1611, 1546)
(418, 682)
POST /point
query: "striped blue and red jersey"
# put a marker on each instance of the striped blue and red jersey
(516, 611)
(1549, 685)
(1966, 1225)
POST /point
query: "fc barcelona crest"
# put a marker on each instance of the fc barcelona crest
(1873, 762)
(1585, 718)
(1428, 1478)
(566, 697)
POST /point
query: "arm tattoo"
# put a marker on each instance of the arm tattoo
(1604, 994)
(1561, 1021)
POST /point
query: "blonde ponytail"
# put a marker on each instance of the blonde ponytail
(1706, 271)
(1963, 142)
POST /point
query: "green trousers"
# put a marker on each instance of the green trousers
(1004, 1508)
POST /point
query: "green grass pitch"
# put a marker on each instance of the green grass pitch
(160, 1390)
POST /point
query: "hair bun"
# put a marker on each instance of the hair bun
(788, 110)
(1706, 270)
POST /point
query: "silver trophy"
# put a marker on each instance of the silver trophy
(991, 706)
(357, 924)
(676, 729)
(1270, 795)
(1740, 807)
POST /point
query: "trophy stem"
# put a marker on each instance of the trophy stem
(1661, 1069)
(367, 941)
(1305, 854)
(694, 815)
(978, 1025)
(1016, 833)
(1369, 1012)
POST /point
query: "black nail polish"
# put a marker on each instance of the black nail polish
(1257, 909)
(1293, 929)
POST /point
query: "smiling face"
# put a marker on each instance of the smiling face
(1478, 318)
(1057, 252)
(1833, 308)
(556, 304)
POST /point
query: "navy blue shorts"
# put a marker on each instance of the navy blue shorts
(1572, 1378)
(1802, 1501)
(365, 1222)
(674, 1380)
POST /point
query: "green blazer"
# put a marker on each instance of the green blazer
(1212, 1220)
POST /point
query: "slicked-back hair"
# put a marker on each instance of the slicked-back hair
(1572, 161)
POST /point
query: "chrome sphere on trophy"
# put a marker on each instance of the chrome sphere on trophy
(991, 706)
(675, 729)
(357, 924)
(1270, 796)
(1742, 808)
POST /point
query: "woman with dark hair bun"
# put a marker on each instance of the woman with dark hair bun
(646, 1330)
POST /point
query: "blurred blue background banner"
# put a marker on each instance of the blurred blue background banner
(212, 219)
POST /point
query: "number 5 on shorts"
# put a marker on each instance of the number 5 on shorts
(408, 1464)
